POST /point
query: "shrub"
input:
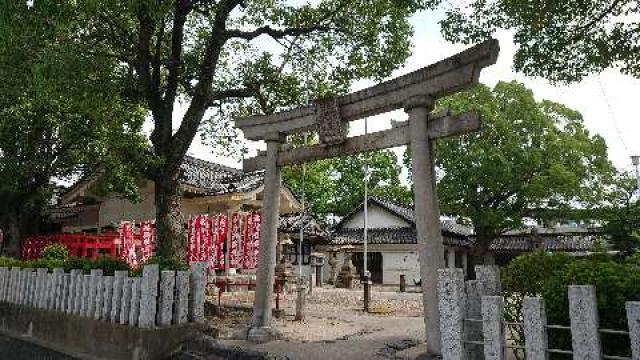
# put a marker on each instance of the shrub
(43, 263)
(527, 275)
(164, 263)
(55, 252)
(106, 263)
(6, 261)
(110, 264)
(615, 282)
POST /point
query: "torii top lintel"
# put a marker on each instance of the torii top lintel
(445, 77)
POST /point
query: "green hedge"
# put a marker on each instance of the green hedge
(108, 264)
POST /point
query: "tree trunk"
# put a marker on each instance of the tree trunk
(170, 232)
(484, 237)
(18, 224)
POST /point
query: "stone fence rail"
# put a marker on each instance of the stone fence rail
(472, 321)
(157, 299)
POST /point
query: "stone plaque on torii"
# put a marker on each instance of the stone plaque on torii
(416, 93)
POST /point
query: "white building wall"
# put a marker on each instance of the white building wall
(114, 209)
(396, 263)
(378, 218)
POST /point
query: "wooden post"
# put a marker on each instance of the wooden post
(268, 241)
(431, 250)
(451, 258)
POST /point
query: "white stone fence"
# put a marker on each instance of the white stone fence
(157, 299)
(472, 321)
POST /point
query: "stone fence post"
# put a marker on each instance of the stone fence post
(633, 319)
(493, 327)
(148, 296)
(165, 300)
(107, 297)
(474, 290)
(535, 328)
(198, 287)
(58, 278)
(181, 307)
(451, 304)
(134, 308)
(490, 274)
(3, 282)
(119, 281)
(583, 312)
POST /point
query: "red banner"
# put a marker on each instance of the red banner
(147, 232)
(235, 255)
(223, 225)
(251, 241)
(127, 244)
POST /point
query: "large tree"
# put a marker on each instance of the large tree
(214, 59)
(62, 114)
(529, 158)
(558, 40)
(335, 187)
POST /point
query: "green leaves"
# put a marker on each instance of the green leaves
(559, 40)
(336, 186)
(528, 156)
(62, 110)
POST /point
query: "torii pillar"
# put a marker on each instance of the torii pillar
(261, 330)
(429, 237)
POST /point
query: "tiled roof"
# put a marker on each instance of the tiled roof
(570, 242)
(291, 223)
(390, 235)
(207, 178)
(447, 226)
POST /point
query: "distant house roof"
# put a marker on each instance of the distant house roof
(291, 224)
(569, 240)
(448, 226)
(206, 178)
(197, 177)
(559, 238)
(391, 235)
(453, 234)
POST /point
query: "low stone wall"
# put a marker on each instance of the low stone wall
(131, 318)
(83, 337)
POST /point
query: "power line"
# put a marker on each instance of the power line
(612, 115)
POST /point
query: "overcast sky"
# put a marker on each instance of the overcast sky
(607, 101)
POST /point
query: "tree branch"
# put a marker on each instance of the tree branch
(275, 33)
(183, 7)
(581, 30)
(181, 140)
(232, 93)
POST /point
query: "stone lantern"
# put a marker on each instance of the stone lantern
(348, 270)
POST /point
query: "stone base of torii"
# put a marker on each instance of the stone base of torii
(416, 93)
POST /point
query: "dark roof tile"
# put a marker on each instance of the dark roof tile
(390, 235)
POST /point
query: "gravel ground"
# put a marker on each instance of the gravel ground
(335, 327)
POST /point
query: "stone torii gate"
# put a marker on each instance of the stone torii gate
(416, 93)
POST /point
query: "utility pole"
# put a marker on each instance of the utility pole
(366, 275)
(635, 159)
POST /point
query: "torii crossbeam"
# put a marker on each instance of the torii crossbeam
(416, 93)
